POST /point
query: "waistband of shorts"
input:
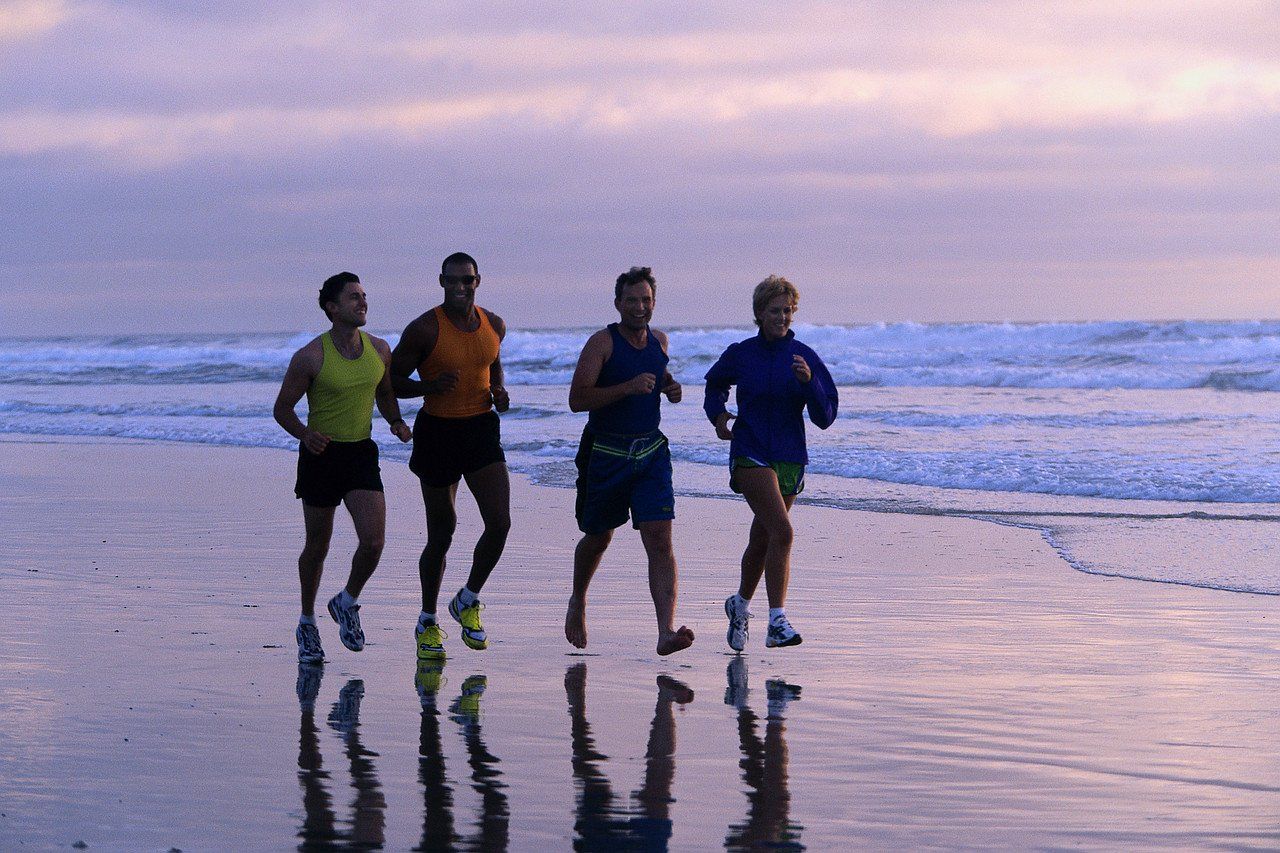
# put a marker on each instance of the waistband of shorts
(630, 446)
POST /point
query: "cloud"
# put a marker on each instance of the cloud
(27, 19)
(944, 151)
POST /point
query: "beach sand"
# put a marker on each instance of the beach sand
(959, 684)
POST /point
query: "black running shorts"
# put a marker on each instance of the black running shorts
(325, 478)
(446, 448)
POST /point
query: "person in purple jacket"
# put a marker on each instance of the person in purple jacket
(777, 378)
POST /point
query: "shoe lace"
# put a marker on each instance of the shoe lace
(310, 638)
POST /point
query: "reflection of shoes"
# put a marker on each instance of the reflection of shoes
(345, 715)
(430, 642)
(429, 679)
(469, 618)
(309, 648)
(736, 693)
(466, 708)
(738, 616)
(309, 675)
(348, 619)
(780, 693)
(781, 634)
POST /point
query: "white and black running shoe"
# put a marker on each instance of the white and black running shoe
(348, 619)
(309, 649)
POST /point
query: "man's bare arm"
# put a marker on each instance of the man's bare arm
(385, 395)
(417, 342)
(673, 389)
(497, 376)
(584, 396)
(302, 370)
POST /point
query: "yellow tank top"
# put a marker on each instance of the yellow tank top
(470, 354)
(340, 399)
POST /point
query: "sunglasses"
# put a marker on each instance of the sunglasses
(459, 279)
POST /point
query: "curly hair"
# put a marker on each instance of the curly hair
(635, 275)
(768, 290)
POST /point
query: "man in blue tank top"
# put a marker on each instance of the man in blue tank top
(624, 464)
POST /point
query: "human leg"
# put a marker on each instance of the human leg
(369, 515)
(586, 559)
(760, 487)
(442, 520)
(368, 510)
(319, 530)
(656, 537)
(491, 487)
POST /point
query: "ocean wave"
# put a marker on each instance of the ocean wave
(926, 419)
(1227, 356)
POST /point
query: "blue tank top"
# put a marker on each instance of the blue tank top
(638, 413)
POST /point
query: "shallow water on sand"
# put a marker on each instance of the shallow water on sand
(958, 687)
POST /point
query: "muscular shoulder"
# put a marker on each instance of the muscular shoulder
(600, 344)
(425, 328)
(310, 357)
(382, 347)
(499, 327)
(661, 337)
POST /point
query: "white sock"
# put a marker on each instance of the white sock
(345, 598)
(466, 597)
(425, 619)
(304, 619)
(777, 615)
(739, 601)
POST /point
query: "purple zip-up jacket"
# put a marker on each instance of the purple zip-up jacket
(771, 401)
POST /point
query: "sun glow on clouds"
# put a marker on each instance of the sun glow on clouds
(23, 19)
(931, 103)
(900, 141)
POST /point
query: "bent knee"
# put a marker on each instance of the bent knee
(372, 545)
(781, 535)
(498, 526)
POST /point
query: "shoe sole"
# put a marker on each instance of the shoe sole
(342, 635)
(728, 635)
(431, 654)
(794, 641)
(310, 661)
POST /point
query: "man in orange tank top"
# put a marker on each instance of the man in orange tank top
(454, 348)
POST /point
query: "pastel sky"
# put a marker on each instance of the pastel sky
(203, 166)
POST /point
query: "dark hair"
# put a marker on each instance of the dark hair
(460, 258)
(332, 288)
(635, 275)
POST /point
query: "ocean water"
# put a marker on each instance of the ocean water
(1141, 450)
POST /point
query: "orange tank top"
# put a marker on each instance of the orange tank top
(469, 354)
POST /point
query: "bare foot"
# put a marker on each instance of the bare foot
(671, 690)
(575, 624)
(670, 642)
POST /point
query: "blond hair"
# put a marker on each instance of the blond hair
(768, 290)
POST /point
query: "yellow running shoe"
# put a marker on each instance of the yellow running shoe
(430, 641)
(469, 618)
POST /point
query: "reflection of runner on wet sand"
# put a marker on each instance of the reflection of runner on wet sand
(319, 829)
(764, 766)
(600, 823)
(491, 832)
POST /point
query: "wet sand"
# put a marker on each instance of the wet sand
(959, 685)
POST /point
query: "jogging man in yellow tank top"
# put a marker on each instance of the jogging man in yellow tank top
(342, 373)
(454, 349)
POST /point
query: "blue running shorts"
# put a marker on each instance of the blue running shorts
(621, 476)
